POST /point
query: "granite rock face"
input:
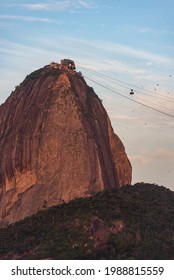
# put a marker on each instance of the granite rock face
(56, 144)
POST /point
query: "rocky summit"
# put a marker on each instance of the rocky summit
(56, 144)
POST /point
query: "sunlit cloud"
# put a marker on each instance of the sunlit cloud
(138, 159)
(125, 117)
(163, 154)
(160, 154)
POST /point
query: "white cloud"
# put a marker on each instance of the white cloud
(149, 63)
(50, 5)
(60, 5)
(45, 48)
(136, 53)
(141, 30)
(28, 18)
(144, 30)
(113, 65)
(87, 4)
(127, 51)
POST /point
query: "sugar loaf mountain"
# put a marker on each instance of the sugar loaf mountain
(65, 178)
(56, 144)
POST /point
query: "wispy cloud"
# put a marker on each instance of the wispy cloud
(127, 51)
(138, 159)
(23, 51)
(88, 54)
(5, 24)
(160, 154)
(163, 153)
(144, 30)
(61, 5)
(113, 65)
(86, 4)
(148, 30)
(136, 53)
(28, 18)
(125, 117)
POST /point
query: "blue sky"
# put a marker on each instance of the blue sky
(129, 40)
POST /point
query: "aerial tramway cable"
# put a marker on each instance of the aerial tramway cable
(129, 98)
(163, 107)
(129, 85)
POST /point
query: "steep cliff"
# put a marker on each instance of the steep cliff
(56, 144)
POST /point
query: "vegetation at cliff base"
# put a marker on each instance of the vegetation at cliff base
(134, 222)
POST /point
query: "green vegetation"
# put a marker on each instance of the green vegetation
(34, 75)
(64, 232)
(42, 71)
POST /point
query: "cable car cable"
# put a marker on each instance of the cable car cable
(142, 99)
(147, 106)
(163, 107)
(166, 98)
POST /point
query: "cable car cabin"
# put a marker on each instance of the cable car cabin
(131, 92)
(67, 64)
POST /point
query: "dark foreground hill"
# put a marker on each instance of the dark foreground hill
(135, 222)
